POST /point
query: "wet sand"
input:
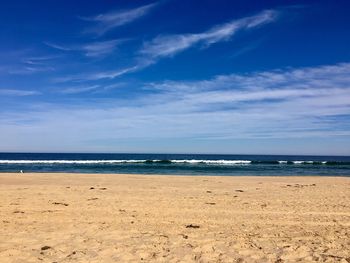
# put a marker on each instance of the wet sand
(143, 218)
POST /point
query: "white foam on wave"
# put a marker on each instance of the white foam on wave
(67, 161)
(218, 162)
(193, 161)
(303, 162)
(223, 162)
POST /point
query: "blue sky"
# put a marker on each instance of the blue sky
(244, 77)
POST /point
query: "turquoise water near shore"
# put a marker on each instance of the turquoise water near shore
(181, 164)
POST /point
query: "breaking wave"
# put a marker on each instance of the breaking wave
(193, 161)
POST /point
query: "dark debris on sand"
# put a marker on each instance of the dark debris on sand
(192, 226)
(59, 203)
(45, 248)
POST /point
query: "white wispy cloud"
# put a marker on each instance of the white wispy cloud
(110, 74)
(91, 76)
(18, 92)
(278, 104)
(101, 48)
(87, 89)
(169, 45)
(39, 60)
(56, 46)
(23, 62)
(28, 70)
(79, 89)
(93, 49)
(108, 21)
(166, 46)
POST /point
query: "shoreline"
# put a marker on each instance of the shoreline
(61, 217)
(175, 175)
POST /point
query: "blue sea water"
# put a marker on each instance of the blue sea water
(180, 164)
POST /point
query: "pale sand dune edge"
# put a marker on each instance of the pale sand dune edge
(143, 218)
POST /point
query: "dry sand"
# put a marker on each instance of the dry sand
(135, 218)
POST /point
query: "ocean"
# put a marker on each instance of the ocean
(177, 164)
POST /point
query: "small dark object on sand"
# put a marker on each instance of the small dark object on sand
(208, 192)
(241, 191)
(58, 203)
(103, 188)
(210, 203)
(192, 226)
(71, 254)
(45, 247)
(92, 188)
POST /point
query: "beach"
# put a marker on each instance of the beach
(62, 217)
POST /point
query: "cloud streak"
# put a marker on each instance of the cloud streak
(88, 89)
(79, 89)
(23, 62)
(278, 104)
(170, 45)
(108, 21)
(56, 46)
(102, 48)
(94, 49)
(29, 70)
(18, 92)
(167, 46)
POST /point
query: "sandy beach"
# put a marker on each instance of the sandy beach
(143, 218)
